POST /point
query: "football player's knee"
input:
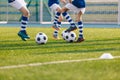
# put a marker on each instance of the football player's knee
(64, 10)
(59, 10)
(27, 14)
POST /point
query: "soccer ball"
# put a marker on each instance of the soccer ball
(69, 36)
(41, 38)
(64, 34)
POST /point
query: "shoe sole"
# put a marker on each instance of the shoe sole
(24, 39)
(80, 41)
(71, 30)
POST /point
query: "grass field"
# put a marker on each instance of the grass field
(14, 51)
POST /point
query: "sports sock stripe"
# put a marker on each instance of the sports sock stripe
(80, 26)
(69, 19)
(24, 22)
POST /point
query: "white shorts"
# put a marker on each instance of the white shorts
(71, 7)
(54, 7)
(18, 4)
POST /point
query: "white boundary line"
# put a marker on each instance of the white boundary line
(3, 22)
(52, 62)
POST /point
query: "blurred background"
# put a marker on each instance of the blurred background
(97, 11)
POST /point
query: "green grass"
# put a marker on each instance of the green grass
(14, 51)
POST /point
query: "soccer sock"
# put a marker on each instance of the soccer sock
(80, 26)
(24, 22)
(57, 15)
(59, 24)
(69, 19)
(55, 33)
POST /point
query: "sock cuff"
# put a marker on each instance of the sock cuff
(58, 13)
(80, 23)
(24, 18)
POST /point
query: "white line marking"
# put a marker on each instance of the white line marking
(52, 62)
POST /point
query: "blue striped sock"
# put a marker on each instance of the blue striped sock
(80, 26)
(24, 22)
(55, 33)
(69, 19)
(59, 24)
(57, 15)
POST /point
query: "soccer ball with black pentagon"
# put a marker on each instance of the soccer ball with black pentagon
(41, 38)
(64, 34)
(70, 36)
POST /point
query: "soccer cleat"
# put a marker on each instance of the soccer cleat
(24, 36)
(80, 40)
(71, 29)
(56, 27)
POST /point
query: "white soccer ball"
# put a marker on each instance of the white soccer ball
(41, 38)
(64, 33)
(69, 36)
